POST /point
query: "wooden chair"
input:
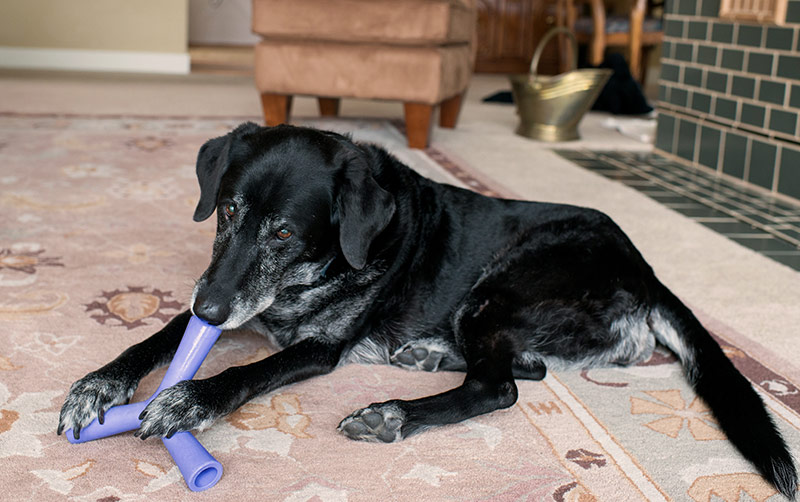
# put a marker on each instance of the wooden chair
(638, 31)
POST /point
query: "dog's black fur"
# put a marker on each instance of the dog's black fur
(341, 254)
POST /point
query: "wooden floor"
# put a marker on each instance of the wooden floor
(225, 60)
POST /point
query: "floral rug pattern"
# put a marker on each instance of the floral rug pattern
(98, 250)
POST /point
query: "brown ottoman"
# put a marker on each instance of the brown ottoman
(420, 52)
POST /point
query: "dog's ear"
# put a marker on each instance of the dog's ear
(365, 209)
(213, 160)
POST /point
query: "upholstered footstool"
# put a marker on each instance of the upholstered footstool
(420, 52)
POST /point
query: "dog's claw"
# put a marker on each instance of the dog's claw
(181, 407)
(90, 397)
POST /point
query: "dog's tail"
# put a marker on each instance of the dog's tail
(738, 409)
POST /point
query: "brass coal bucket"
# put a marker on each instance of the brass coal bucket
(550, 107)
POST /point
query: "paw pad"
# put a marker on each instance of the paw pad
(417, 358)
(378, 423)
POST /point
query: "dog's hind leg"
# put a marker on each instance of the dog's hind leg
(435, 355)
(488, 386)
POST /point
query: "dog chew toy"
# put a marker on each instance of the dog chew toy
(200, 470)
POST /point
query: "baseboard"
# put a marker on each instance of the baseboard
(94, 60)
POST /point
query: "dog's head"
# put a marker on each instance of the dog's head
(288, 200)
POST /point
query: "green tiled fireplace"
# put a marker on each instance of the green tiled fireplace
(729, 96)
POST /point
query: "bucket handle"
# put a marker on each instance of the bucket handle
(543, 42)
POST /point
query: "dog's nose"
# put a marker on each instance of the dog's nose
(212, 312)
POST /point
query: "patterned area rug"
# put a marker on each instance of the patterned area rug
(98, 250)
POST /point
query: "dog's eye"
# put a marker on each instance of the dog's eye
(283, 234)
(230, 209)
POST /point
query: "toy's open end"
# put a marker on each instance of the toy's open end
(200, 470)
(206, 478)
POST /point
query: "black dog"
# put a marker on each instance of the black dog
(340, 253)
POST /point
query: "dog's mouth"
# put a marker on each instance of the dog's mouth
(230, 311)
(229, 314)
(241, 314)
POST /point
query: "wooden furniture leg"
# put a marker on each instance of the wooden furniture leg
(598, 46)
(418, 124)
(276, 107)
(566, 14)
(329, 107)
(635, 47)
(449, 110)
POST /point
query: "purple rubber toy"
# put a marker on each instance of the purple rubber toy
(200, 470)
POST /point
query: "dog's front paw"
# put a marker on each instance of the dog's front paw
(91, 396)
(182, 407)
(378, 422)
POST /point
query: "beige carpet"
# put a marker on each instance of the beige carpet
(97, 250)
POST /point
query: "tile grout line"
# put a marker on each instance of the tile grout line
(757, 199)
(705, 194)
(781, 256)
(708, 203)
